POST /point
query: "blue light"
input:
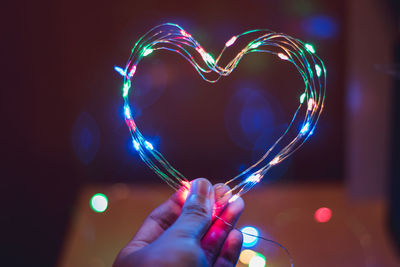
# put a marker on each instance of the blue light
(305, 128)
(250, 236)
(121, 71)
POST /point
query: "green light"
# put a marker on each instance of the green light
(318, 69)
(125, 89)
(310, 48)
(258, 260)
(255, 45)
(147, 51)
(302, 97)
(99, 202)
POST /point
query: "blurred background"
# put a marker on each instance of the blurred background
(333, 203)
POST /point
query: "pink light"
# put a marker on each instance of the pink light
(323, 215)
(186, 34)
(132, 72)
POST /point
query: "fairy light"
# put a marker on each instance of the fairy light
(302, 97)
(318, 70)
(175, 39)
(250, 238)
(120, 70)
(254, 178)
(99, 202)
(310, 104)
(310, 48)
(125, 89)
(255, 45)
(275, 161)
(148, 145)
(231, 41)
(258, 260)
(132, 72)
(246, 255)
(283, 56)
(147, 52)
(305, 128)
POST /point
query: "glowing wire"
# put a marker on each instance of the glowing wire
(172, 37)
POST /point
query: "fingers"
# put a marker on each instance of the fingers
(215, 238)
(230, 250)
(196, 213)
(157, 222)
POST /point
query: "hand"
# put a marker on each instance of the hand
(184, 233)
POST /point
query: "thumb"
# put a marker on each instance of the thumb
(196, 213)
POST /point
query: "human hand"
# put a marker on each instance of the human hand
(184, 233)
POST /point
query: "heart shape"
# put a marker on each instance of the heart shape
(172, 37)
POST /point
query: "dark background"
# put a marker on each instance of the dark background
(62, 105)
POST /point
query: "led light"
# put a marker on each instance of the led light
(136, 145)
(283, 56)
(121, 71)
(323, 215)
(132, 72)
(310, 48)
(231, 41)
(184, 33)
(246, 255)
(258, 260)
(148, 145)
(318, 69)
(125, 89)
(147, 52)
(99, 202)
(250, 236)
(302, 97)
(128, 112)
(254, 178)
(233, 198)
(305, 128)
(310, 104)
(255, 45)
(275, 161)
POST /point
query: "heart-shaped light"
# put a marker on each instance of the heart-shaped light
(174, 38)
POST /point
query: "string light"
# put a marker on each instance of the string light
(250, 238)
(310, 48)
(99, 202)
(171, 37)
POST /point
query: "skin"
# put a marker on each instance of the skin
(183, 231)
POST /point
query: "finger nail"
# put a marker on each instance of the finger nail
(201, 187)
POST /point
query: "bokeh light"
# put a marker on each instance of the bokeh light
(99, 202)
(258, 260)
(323, 215)
(246, 255)
(250, 234)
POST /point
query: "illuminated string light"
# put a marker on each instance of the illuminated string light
(147, 52)
(302, 97)
(310, 48)
(250, 237)
(323, 215)
(120, 70)
(318, 70)
(246, 255)
(171, 37)
(255, 45)
(231, 41)
(99, 202)
(283, 56)
(257, 260)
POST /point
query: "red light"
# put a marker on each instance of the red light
(323, 215)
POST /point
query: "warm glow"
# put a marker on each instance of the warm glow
(246, 255)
